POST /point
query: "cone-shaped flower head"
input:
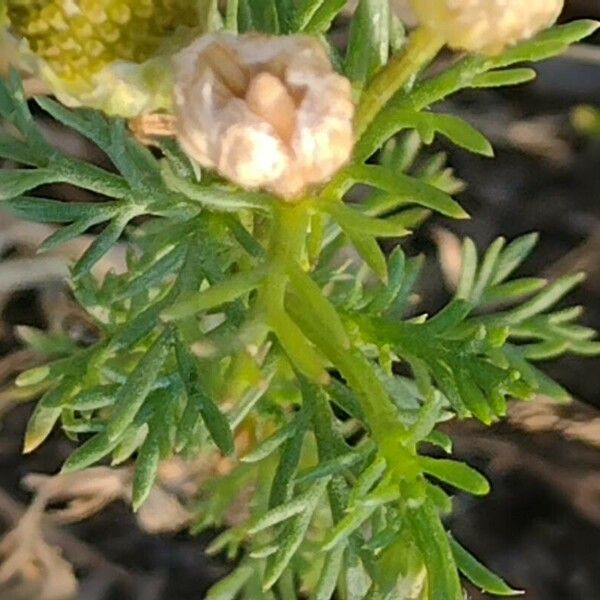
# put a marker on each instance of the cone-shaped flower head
(486, 26)
(90, 51)
(266, 112)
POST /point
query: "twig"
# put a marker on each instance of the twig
(78, 552)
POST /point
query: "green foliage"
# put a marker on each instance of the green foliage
(238, 315)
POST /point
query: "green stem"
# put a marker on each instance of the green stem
(231, 16)
(381, 415)
(288, 237)
(422, 47)
(289, 230)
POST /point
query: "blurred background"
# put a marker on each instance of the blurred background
(540, 527)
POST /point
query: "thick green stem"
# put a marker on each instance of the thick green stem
(381, 415)
(422, 47)
(288, 237)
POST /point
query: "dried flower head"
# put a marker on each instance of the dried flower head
(265, 112)
(486, 26)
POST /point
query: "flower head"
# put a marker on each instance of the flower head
(486, 26)
(100, 53)
(266, 112)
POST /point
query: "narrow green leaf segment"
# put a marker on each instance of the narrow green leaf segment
(269, 335)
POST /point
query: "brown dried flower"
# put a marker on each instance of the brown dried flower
(266, 112)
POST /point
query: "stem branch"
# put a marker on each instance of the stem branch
(422, 47)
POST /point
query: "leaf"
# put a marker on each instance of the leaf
(131, 440)
(367, 479)
(348, 525)
(330, 573)
(547, 44)
(94, 398)
(218, 198)
(432, 541)
(296, 345)
(216, 295)
(101, 245)
(318, 305)
(283, 480)
(414, 190)
(354, 221)
(370, 251)
(393, 120)
(384, 298)
(461, 75)
(547, 298)
(442, 501)
(461, 133)
(217, 425)
(512, 290)
(136, 388)
(245, 20)
(264, 15)
(188, 424)
(345, 399)
(502, 78)
(286, 10)
(15, 109)
(441, 440)
(229, 587)
(290, 509)
(327, 468)
(368, 47)
(143, 281)
(474, 398)
(244, 238)
(468, 270)
(178, 159)
(52, 345)
(70, 232)
(537, 379)
(47, 412)
(513, 255)
(291, 537)
(478, 574)
(137, 164)
(90, 177)
(428, 417)
(14, 182)
(146, 467)
(90, 452)
(359, 512)
(39, 426)
(19, 152)
(215, 421)
(89, 123)
(42, 210)
(268, 446)
(449, 317)
(315, 16)
(264, 551)
(402, 300)
(456, 473)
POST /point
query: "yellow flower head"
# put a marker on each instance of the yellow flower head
(96, 52)
(486, 26)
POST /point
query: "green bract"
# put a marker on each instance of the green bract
(237, 313)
